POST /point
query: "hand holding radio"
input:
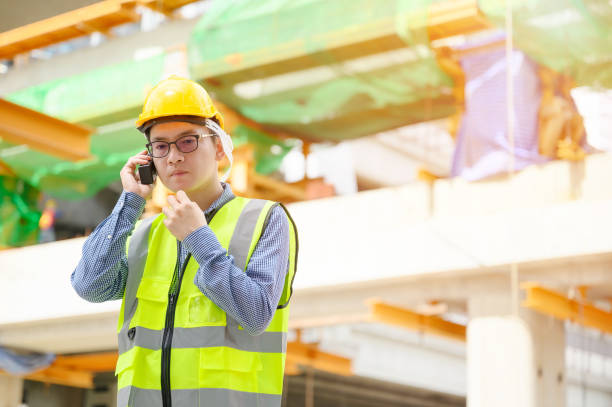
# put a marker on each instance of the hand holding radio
(131, 181)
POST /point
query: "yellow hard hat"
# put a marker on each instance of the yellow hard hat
(177, 96)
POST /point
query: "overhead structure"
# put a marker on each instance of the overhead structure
(559, 306)
(320, 81)
(20, 125)
(380, 43)
(385, 313)
(98, 17)
(101, 16)
(572, 37)
(78, 370)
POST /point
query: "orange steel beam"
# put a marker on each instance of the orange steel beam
(445, 19)
(165, 6)
(382, 312)
(20, 125)
(99, 16)
(557, 305)
(77, 370)
(299, 353)
(65, 377)
(61, 376)
(393, 315)
(5, 169)
(95, 362)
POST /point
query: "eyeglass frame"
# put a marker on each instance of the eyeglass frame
(149, 145)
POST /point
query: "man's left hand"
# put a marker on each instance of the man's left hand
(183, 216)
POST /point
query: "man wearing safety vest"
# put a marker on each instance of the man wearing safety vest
(206, 284)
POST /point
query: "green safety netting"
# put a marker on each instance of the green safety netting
(110, 150)
(340, 96)
(326, 70)
(569, 36)
(110, 97)
(269, 153)
(73, 180)
(106, 95)
(18, 212)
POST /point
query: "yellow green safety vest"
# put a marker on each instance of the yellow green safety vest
(176, 347)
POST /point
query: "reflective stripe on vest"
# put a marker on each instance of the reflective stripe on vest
(134, 396)
(243, 233)
(211, 355)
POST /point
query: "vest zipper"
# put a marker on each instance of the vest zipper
(173, 293)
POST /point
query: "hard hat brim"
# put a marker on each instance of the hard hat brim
(145, 127)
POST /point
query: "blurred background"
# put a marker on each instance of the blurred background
(447, 164)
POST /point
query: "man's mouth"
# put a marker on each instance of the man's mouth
(176, 173)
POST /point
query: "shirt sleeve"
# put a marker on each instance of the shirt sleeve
(101, 274)
(249, 297)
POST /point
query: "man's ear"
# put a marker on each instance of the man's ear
(219, 154)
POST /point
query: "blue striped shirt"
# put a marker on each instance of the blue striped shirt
(250, 298)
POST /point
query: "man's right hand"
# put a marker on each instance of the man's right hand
(130, 178)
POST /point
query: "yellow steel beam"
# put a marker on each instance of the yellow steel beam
(280, 187)
(557, 305)
(95, 362)
(19, 125)
(165, 6)
(291, 369)
(299, 353)
(65, 377)
(99, 16)
(77, 370)
(445, 19)
(61, 376)
(393, 315)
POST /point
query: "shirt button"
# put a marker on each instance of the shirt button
(109, 237)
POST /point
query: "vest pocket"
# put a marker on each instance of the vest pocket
(229, 368)
(152, 297)
(202, 311)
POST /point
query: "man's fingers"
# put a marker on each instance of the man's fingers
(136, 160)
(182, 197)
(172, 201)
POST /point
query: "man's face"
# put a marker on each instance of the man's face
(187, 171)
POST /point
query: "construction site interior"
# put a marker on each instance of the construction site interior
(470, 136)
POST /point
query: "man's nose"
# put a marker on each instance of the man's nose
(174, 155)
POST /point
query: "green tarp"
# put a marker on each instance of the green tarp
(324, 94)
(110, 149)
(323, 70)
(570, 36)
(110, 97)
(18, 212)
(105, 95)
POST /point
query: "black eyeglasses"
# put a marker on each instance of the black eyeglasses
(185, 144)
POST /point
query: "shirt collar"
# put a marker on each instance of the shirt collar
(226, 196)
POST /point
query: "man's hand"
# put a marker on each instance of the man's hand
(131, 180)
(183, 216)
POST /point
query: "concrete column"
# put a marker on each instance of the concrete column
(513, 360)
(11, 391)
